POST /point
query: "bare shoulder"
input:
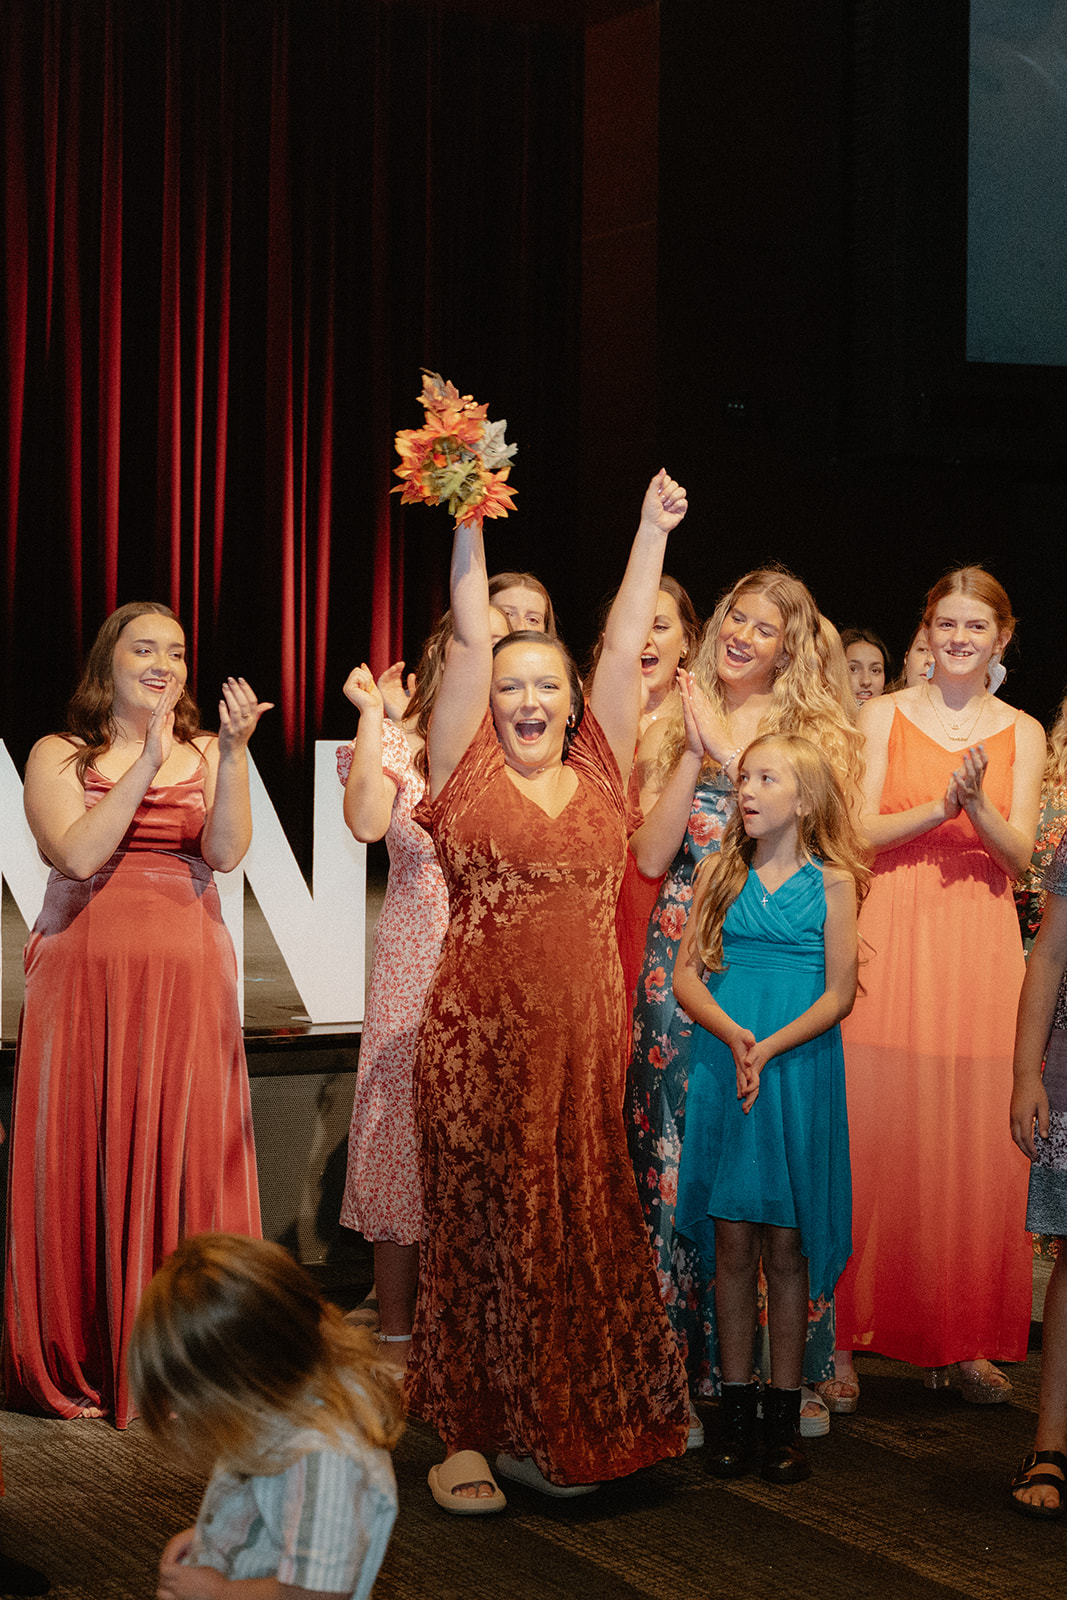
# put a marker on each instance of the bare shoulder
(834, 878)
(53, 752)
(1029, 733)
(875, 716)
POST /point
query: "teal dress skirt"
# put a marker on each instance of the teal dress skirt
(787, 1162)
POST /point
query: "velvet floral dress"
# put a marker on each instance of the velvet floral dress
(539, 1328)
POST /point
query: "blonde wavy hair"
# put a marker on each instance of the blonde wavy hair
(234, 1350)
(811, 694)
(1055, 774)
(826, 833)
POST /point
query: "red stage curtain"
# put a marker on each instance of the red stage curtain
(232, 235)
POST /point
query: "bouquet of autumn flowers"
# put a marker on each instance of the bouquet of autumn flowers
(457, 456)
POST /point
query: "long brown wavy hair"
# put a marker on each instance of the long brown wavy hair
(811, 694)
(687, 615)
(1055, 775)
(234, 1350)
(428, 676)
(825, 829)
(89, 708)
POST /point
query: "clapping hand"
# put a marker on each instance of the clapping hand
(713, 733)
(396, 691)
(239, 714)
(969, 777)
(362, 690)
(159, 735)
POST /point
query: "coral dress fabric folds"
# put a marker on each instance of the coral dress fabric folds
(942, 1265)
(539, 1327)
(132, 1122)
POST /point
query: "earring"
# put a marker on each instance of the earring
(571, 720)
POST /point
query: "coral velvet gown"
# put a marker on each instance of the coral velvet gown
(539, 1328)
(132, 1122)
(942, 1265)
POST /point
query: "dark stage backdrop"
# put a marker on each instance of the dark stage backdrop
(233, 232)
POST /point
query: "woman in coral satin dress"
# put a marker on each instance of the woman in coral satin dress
(132, 1124)
(941, 1270)
(539, 1330)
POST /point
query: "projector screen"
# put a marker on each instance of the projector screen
(1017, 183)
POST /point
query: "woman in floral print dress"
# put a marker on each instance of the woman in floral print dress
(767, 663)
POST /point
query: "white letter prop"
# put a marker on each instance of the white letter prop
(321, 936)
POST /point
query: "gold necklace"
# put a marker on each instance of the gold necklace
(950, 728)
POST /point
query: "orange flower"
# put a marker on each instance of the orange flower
(450, 456)
(497, 500)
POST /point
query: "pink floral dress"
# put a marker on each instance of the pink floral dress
(383, 1198)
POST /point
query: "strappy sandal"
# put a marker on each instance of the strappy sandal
(839, 1395)
(1027, 1477)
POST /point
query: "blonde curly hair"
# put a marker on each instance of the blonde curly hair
(811, 695)
(826, 831)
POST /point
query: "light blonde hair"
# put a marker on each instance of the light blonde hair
(811, 694)
(234, 1349)
(826, 833)
(1055, 774)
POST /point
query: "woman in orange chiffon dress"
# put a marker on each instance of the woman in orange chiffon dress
(132, 1122)
(941, 1269)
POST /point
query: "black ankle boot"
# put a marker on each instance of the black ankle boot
(736, 1449)
(784, 1460)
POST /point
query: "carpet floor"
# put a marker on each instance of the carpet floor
(907, 1502)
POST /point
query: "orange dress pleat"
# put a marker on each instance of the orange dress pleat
(132, 1123)
(539, 1328)
(942, 1264)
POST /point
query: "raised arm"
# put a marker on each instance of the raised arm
(78, 841)
(657, 841)
(615, 693)
(369, 791)
(228, 828)
(464, 693)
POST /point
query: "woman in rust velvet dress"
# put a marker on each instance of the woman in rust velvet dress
(539, 1330)
(132, 1123)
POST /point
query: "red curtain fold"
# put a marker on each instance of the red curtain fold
(280, 482)
(72, 330)
(169, 429)
(110, 363)
(16, 296)
(231, 238)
